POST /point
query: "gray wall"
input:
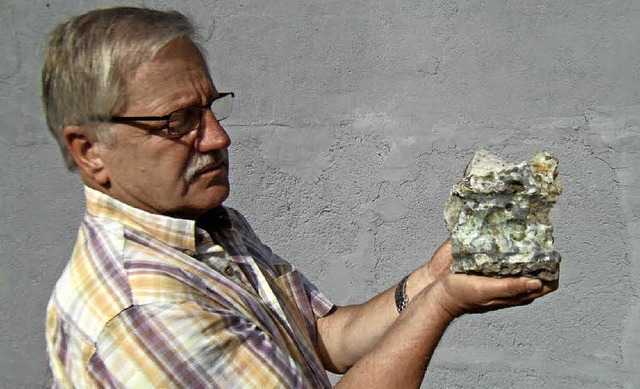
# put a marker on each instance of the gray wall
(353, 120)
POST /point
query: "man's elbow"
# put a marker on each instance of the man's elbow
(333, 352)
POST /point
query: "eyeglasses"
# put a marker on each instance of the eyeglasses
(185, 120)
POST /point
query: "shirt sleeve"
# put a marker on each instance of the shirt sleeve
(188, 345)
(320, 304)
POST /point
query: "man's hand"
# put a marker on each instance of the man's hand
(472, 294)
(463, 293)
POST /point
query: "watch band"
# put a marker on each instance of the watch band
(401, 297)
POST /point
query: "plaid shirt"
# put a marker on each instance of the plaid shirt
(152, 301)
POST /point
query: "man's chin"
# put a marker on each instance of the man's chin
(203, 202)
(218, 193)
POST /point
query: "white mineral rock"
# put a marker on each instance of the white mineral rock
(498, 217)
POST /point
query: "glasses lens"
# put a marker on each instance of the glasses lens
(221, 107)
(183, 121)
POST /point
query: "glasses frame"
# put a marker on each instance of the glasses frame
(127, 119)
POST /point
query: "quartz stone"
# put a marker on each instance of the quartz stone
(498, 217)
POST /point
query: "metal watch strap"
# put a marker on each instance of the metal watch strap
(401, 297)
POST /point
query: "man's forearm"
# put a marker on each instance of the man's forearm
(352, 331)
(401, 356)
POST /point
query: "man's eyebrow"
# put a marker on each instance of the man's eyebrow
(197, 102)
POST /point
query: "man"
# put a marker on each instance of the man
(168, 288)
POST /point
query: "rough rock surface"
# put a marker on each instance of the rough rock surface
(498, 217)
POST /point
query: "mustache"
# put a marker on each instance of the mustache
(199, 162)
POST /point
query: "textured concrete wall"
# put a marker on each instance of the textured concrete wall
(353, 120)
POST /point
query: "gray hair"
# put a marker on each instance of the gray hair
(90, 58)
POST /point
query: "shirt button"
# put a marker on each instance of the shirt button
(228, 271)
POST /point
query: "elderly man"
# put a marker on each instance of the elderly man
(168, 288)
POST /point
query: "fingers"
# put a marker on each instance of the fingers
(502, 304)
(474, 293)
(550, 286)
(516, 295)
(507, 292)
(502, 288)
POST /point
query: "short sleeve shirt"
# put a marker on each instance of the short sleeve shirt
(152, 301)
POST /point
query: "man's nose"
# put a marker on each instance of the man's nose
(211, 135)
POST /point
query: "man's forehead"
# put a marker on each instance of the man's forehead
(176, 76)
(178, 50)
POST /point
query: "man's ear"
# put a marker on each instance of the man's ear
(86, 151)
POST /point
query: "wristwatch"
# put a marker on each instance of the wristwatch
(401, 297)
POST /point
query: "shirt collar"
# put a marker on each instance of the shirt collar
(178, 233)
